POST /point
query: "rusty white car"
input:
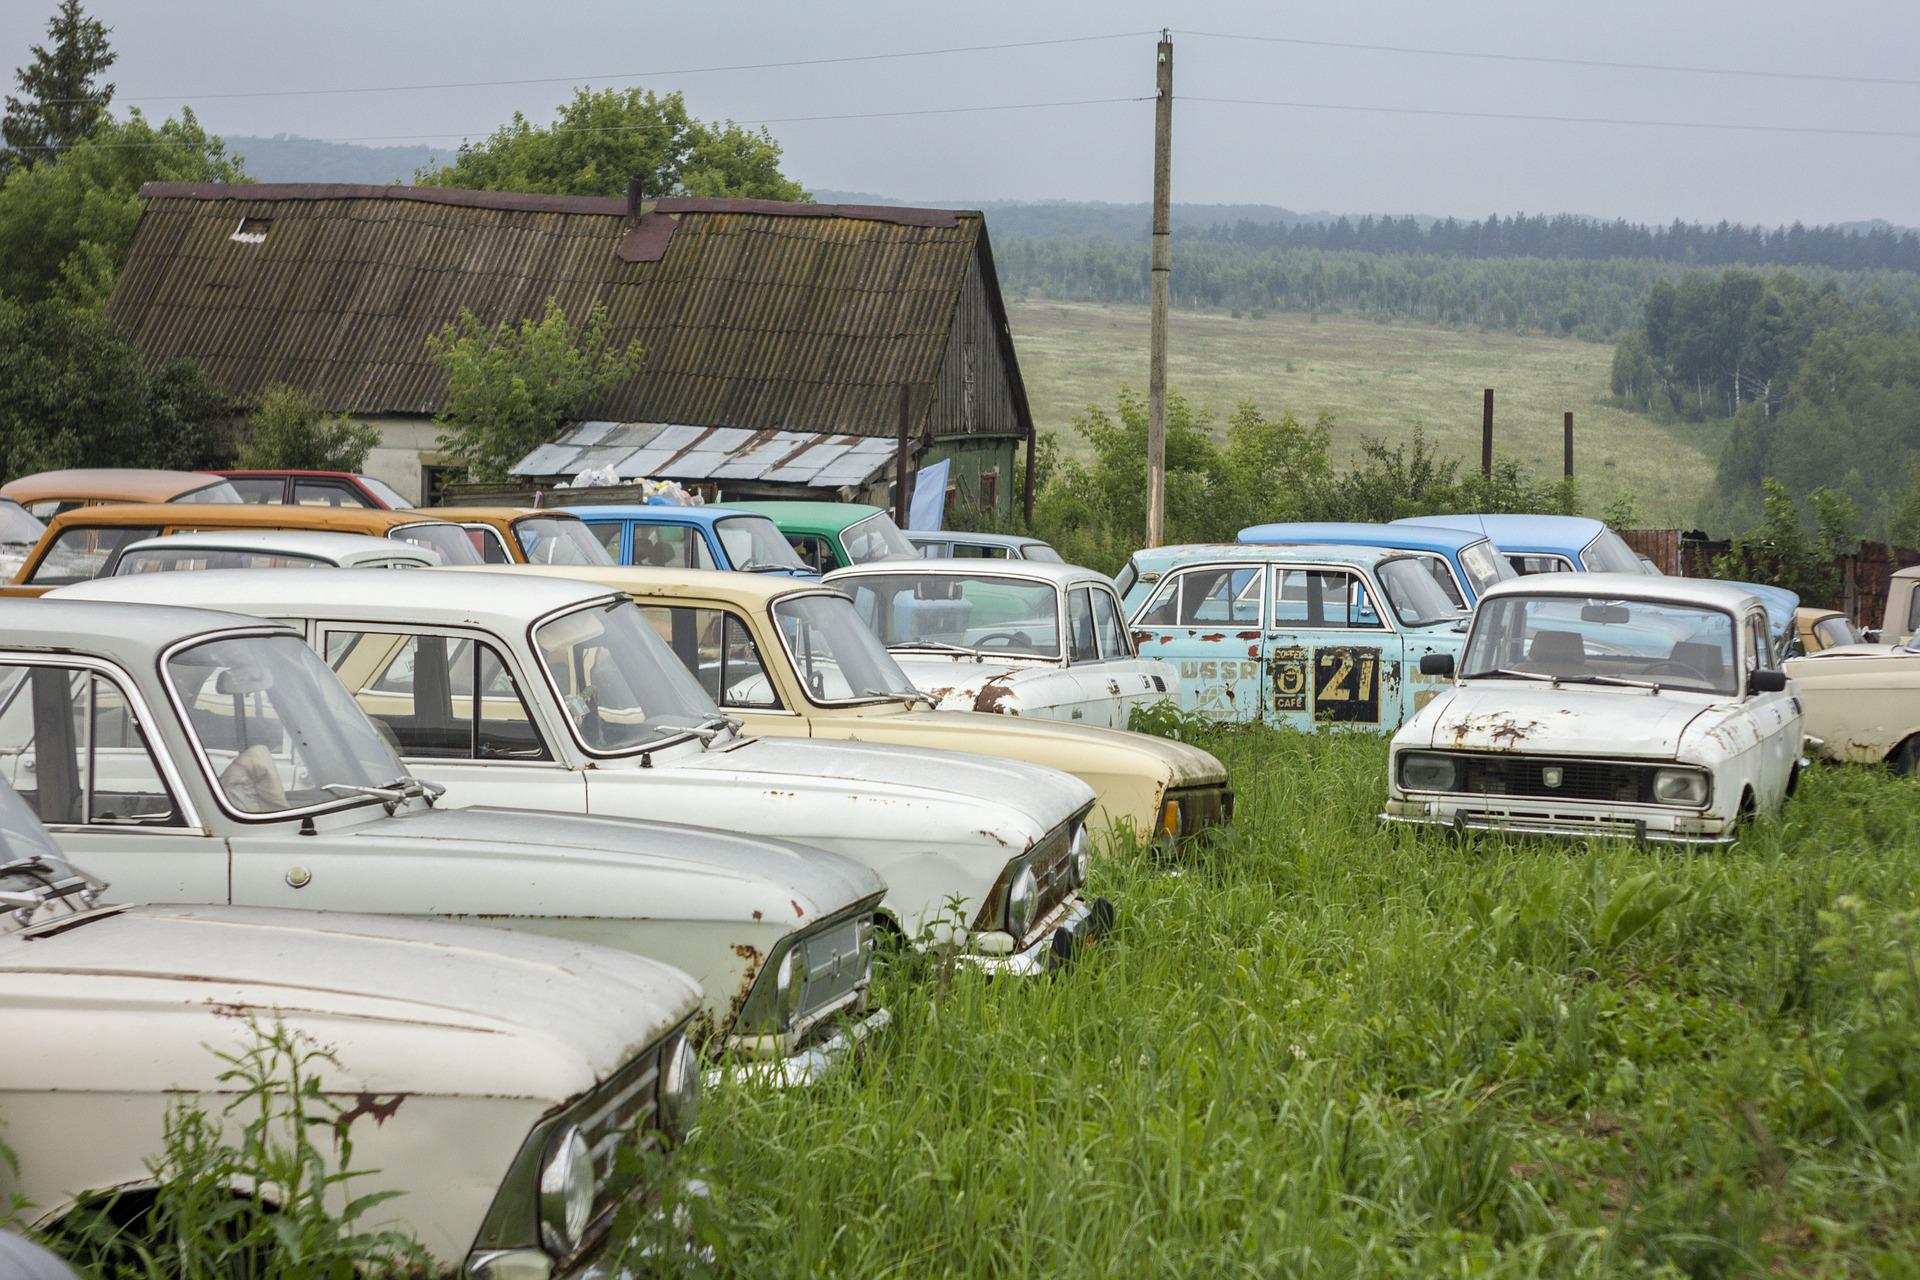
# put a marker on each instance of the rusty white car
(1021, 638)
(270, 549)
(1604, 704)
(487, 1078)
(555, 694)
(198, 757)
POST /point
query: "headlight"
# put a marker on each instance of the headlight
(1680, 786)
(1422, 772)
(679, 1090)
(567, 1190)
(789, 981)
(1023, 899)
(1080, 856)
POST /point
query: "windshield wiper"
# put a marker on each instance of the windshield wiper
(1511, 674)
(1625, 681)
(392, 794)
(939, 646)
(712, 726)
(889, 695)
(765, 566)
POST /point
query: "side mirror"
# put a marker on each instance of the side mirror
(1436, 664)
(1767, 680)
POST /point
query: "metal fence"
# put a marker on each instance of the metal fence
(1863, 575)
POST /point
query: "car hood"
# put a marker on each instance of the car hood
(536, 1011)
(1507, 715)
(1042, 796)
(816, 883)
(941, 673)
(1187, 766)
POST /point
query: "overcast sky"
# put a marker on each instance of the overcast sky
(193, 50)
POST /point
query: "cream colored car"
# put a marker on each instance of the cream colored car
(791, 658)
(1862, 703)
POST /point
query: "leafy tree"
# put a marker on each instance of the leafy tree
(74, 392)
(62, 103)
(66, 225)
(511, 387)
(601, 138)
(289, 429)
(1780, 551)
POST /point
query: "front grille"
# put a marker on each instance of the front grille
(1053, 869)
(621, 1109)
(1202, 808)
(1530, 777)
(835, 955)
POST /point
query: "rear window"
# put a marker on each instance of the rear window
(449, 539)
(385, 493)
(81, 554)
(218, 491)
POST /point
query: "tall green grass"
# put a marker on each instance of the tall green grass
(1325, 1048)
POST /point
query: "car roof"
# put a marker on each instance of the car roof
(1405, 537)
(132, 635)
(504, 604)
(968, 535)
(812, 517)
(244, 515)
(746, 589)
(1522, 533)
(288, 471)
(310, 542)
(645, 513)
(1167, 558)
(118, 484)
(488, 514)
(1062, 575)
(1625, 586)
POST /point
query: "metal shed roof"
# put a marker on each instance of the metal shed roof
(671, 451)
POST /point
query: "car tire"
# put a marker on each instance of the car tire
(1905, 758)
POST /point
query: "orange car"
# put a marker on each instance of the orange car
(83, 544)
(48, 493)
(526, 535)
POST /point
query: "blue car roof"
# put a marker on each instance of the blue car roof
(642, 513)
(1566, 535)
(1402, 537)
(1164, 558)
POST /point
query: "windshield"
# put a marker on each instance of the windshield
(82, 551)
(838, 658)
(16, 526)
(218, 491)
(621, 685)
(1414, 591)
(21, 835)
(558, 540)
(1040, 551)
(449, 539)
(1609, 553)
(171, 559)
(386, 493)
(279, 731)
(754, 544)
(876, 538)
(1567, 638)
(1484, 566)
(976, 612)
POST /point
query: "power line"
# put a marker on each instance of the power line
(623, 75)
(654, 128)
(1545, 119)
(1553, 61)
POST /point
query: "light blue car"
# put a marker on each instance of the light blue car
(1304, 636)
(1462, 562)
(675, 537)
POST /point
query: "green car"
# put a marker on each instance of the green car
(833, 535)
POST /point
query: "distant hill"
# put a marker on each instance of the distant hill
(1095, 219)
(284, 158)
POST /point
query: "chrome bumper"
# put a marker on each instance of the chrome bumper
(808, 1066)
(1635, 829)
(1072, 925)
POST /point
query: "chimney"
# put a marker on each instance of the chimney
(634, 192)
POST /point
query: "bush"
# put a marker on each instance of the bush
(289, 431)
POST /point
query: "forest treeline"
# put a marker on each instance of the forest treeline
(1597, 300)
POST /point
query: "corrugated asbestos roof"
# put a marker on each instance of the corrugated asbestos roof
(668, 451)
(754, 314)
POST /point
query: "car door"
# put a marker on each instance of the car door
(457, 710)
(1206, 620)
(1331, 659)
(1776, 716)
(1130, 680)
(74, 743)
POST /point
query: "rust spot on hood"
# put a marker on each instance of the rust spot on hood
(994, 691)
(798, 910)
(1502, 730)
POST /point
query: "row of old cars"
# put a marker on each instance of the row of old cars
(527, 846)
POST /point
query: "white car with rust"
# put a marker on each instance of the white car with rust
(489, 1079)
(198, 757)
(1604, 704)
(1017, 637)
(549, 693)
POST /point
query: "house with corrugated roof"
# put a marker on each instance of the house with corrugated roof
(778, 337)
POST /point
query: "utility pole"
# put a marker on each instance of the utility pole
(1486, 433)
(1162, 267)
(1567, 426)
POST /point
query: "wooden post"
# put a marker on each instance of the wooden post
(1567, 427)
(1162, 265)
(1026, 489)
(902, 500)
(1486, 433)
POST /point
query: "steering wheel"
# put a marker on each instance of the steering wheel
(1010, 638)
(1680, 669)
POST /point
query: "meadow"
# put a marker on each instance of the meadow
(1378, 379)
(1325, 1048)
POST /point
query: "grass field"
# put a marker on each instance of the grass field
(1328, 1049)
(1377, 380)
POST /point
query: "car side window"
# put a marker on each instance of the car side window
(492, 548)
(1081, 644)
(815, 550)
(976, 551)
(607, 533)
(1209, 595)
(670, 546)
(1323, 599)
(933, 550)
(718, 648)
(326, 493)
(1114, 640)
(437, 697)
(1759, 643)
(260, 490)
(70, 745)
